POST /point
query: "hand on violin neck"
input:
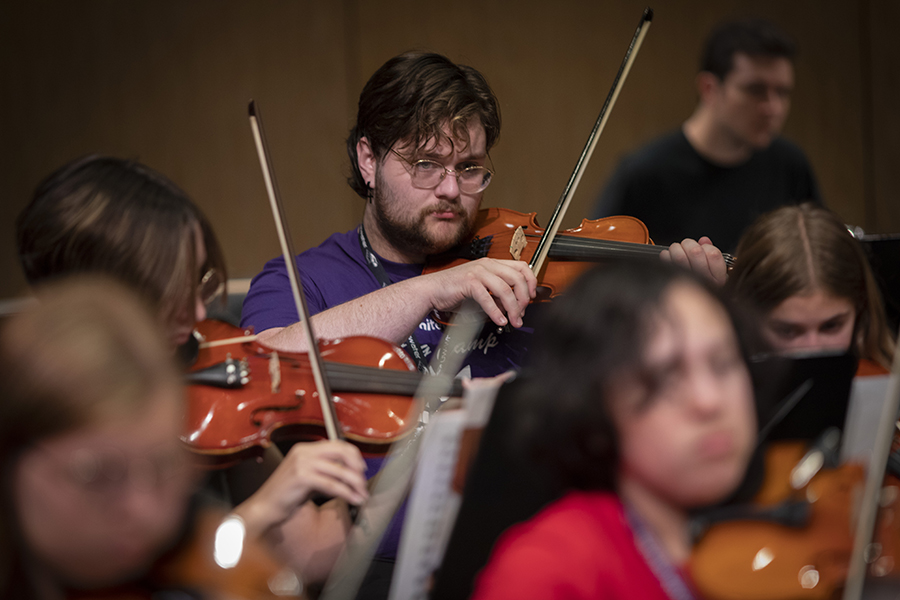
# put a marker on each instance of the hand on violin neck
(503, 288)
(701, 257)
(334, 469)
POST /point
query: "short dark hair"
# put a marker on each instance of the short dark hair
(412, 97)
(753, 37)
(99, 214)
(588, 339)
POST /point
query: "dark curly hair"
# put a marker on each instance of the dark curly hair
(589, 338)
(412, 98)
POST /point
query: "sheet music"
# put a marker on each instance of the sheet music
(863, 413)
(433, 504)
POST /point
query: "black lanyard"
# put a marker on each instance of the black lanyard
(374, 264)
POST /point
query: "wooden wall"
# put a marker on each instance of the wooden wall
(167, 82)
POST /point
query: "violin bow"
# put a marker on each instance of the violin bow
(395, 477)
(326, 399)
(393, 480)
(865, 524)
(543, 248)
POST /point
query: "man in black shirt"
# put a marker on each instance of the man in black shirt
(727, 164)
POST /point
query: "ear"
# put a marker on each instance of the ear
(366, 160)
(707, 85)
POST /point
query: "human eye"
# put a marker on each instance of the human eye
(783, 92)
(756, 90)
(473, 172)
(97, 472)
(426, 166)
(786, 331)
(725, 361)
(833, 325)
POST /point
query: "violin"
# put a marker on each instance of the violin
(503, 233)
(375, 382)
(810, 558)
(196, 565)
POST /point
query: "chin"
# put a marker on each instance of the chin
(714, 486)
(107, 575)
(439, 244)
(762, 140)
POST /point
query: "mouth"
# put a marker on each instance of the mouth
(446, 213)
(181, 336)
(717, 445)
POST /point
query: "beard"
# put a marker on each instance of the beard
(409, 232)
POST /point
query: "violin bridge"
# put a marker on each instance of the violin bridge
(518, 243)
(275, 372)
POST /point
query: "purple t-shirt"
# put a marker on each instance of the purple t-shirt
(336, 272)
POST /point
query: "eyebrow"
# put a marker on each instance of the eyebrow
(782, 322)
(435, 156)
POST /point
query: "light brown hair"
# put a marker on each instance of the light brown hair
(106, 215)
(86, 351)
(798, 249)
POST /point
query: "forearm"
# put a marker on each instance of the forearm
(390, 313)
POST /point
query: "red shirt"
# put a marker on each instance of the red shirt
(580, 547)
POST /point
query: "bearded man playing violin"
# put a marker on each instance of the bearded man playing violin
(419, 156)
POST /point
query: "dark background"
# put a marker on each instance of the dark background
(167, 82)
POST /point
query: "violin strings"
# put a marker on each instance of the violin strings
(584, 248)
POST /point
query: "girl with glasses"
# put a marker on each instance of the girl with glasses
(122, 219)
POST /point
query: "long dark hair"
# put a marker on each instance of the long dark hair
(589, 338)
(107, 215)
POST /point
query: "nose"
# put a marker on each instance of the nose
(706, 394)
(199, 310)
(776, 103)
(449, 186)
(148, 512)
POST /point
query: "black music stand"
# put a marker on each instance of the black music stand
(502, 488)
(883, 252)
(823, 405)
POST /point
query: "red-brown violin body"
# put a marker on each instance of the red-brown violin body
(572, 251)
(746, 559)
(280, 399)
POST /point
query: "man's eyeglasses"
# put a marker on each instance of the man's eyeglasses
(428, 174)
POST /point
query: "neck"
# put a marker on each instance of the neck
(713, 142)
(668, 523)
(382, 246)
